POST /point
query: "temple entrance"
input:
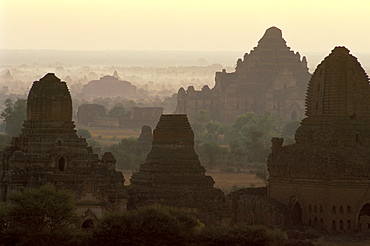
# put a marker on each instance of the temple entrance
(62, 164)
(296, 214)
(87, 224)
(364, 218)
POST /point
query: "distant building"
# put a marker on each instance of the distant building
(141, 116)
(109, 86)
(88, 113)
(270, 78)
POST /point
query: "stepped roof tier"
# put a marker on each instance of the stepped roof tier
(271, 77)
(172, 174)
(48, 151)
(334, 138)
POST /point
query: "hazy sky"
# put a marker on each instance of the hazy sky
(214, 25)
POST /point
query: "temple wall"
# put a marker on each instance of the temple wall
(324, 202)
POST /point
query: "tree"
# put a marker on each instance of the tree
(258, 123)
(213, 131)
(256, 147)
(289, 130)
(153, 225)
(83, 133)
(202, 116)
(40, 216)
(93, 143)
(14, 115)
(4, 140)
(118, 112)
(211, 151)
(250, 136)
(262, 173)
(235, 236)
(126, 154)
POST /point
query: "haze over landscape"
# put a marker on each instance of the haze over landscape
(240, 112)
(310, 26)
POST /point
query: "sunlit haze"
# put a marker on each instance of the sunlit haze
(308, 26)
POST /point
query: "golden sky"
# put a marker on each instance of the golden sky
(209, 25)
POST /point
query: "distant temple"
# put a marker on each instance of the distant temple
(94, 115)
(270, 78)
(109, 86)
(48, 151)
(324, 178)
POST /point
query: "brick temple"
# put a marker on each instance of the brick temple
(270, 78)
(48, 151)
(324, 177)
(173, 176)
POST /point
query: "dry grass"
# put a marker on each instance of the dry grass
(224, 181)
(228, 181)
(108, 136)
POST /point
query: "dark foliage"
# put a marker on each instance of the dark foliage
(39, 216)
(14, 115)
(154, 226)
(235, 236)
(83, 133)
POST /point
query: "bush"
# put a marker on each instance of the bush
(311, 233)
(83, 133)
(154, 225)
(237, 235)
(39, 216)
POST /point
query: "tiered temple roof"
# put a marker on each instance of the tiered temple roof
(270, 78)
(334, 138)
(172, 174)
(48, 151)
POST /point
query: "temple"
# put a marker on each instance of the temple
(324, 177)
(173, 176)
(48, 151)
(270, 78)
(109, 86)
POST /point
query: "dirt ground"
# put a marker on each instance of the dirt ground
(108, 136)
(224, 181)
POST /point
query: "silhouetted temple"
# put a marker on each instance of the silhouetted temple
(109, 86)
(48, 151)
(172, 174)
(270, 78)
(324, 178)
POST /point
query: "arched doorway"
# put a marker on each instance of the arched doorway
(87, 224)
(296, 214)
(364, 218)
(62, 164)
(316, 223)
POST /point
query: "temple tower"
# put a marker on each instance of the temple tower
(48, 151)
(271, 77)
(324, 177)
(172, 174)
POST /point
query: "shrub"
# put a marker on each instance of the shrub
(237, 235)
(311, 233)
(83, 133)
(153, 225)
